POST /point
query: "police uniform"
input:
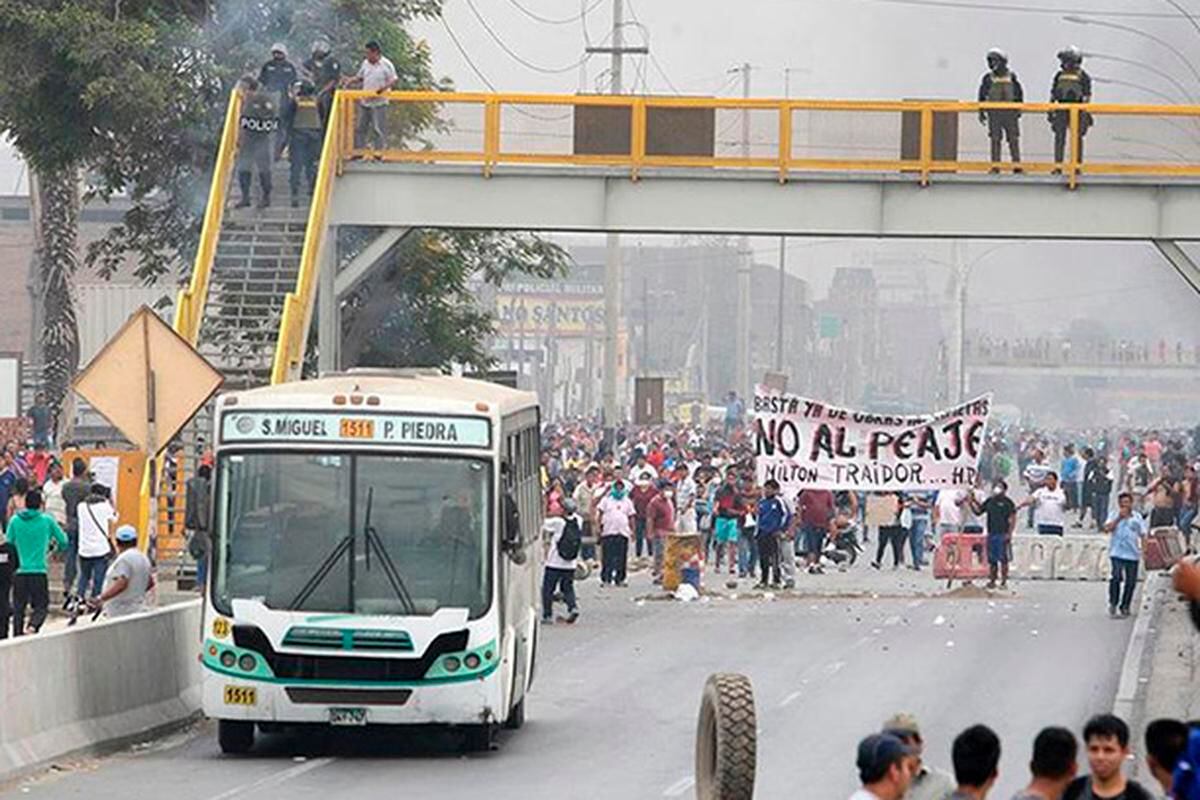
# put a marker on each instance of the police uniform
(304, 136)
(259, 120)
(323, 71)
(1070, 86)
(277, 79)
(997, 87)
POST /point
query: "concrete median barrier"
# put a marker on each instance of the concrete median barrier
(97, 685)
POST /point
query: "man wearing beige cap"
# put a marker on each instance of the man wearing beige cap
(927, 783)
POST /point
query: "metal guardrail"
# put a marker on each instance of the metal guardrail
(498, 112)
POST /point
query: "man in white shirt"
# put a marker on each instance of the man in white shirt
(1049, 505)
(616, 513)
(885, 767)
(685, 500)
(566, 535)
(376, 74)
(52, 495)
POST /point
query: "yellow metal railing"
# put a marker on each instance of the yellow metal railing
(298, 304)
(526, 117)
(189, 307)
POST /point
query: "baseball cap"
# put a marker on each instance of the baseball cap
(126, 533)
(877, 753)
(902, 725)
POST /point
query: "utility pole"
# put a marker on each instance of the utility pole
(745, 266)
(612, 261)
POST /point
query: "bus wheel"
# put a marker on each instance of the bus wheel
(726, 739)
(479, 738)
(235, 736)
(516, 717)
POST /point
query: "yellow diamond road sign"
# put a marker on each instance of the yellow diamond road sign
(148, 381)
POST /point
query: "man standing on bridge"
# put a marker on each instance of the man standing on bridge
(1000, 85)
(1071, 85)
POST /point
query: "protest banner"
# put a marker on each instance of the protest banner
(806, 444)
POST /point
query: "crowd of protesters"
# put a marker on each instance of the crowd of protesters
(43, 515)
(627, 495)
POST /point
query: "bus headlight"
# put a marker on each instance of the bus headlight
(247, 663)
(451, 663)
(472, 661)
(228, 659)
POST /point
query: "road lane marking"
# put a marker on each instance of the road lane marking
(272, 780)
(891, 621)
(680, 786)
(833, 669)
(791, 698)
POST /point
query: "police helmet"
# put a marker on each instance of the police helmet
(996, 54)
(320, 47)
(1071, 55)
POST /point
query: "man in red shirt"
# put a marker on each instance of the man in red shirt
(642, 493)
(816, 511)
(660, 523)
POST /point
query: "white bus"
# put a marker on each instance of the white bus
(375, 555)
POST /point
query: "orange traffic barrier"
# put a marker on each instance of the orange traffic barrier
(961, 555)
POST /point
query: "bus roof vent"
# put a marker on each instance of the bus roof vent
(397, 372)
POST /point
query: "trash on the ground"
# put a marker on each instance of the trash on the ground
(950, 643)
(939, 620)
(686, 593)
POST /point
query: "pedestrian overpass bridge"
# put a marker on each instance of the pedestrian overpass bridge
(635, 164)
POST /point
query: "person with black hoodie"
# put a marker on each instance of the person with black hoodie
(8, 566)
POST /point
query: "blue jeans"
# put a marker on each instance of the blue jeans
(1100, 508)
(91, 570)
(1123, 570)
(556, 579)
(747, 553)
(916, 540)
(1186, 517)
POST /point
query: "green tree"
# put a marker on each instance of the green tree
(83, 86)
(421, 308)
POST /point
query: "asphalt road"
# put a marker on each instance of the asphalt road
(613, 710)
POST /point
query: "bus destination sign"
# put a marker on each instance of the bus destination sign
(288, 426)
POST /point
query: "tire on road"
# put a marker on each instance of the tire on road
(516, 717)
(235, 736)
(726, 739)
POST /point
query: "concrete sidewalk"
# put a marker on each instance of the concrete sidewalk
(1170, 669)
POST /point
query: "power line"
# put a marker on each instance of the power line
(486, 82)
(517, 56)
(658, 67)
(582, 15)
(964, 5)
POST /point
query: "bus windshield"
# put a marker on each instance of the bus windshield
(364, 534)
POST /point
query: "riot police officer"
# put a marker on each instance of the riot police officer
(277, 76)
(325, 73)
(259, 121)
(1071, 85)
(304, 127)
(1000, 85)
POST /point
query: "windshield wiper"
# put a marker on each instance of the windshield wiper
(322, 572)
(371, 536)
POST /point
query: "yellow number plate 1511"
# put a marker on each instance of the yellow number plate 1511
(357, 429)
(241, 696)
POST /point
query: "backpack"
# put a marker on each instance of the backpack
(571, 540)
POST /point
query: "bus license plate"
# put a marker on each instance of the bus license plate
(347, 716)
(357, 428)
(241, 696)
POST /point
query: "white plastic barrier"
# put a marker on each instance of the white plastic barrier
(97, 684)
(1076, 557)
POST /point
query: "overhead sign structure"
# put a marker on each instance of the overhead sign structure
(147, 381)
(806, 444)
